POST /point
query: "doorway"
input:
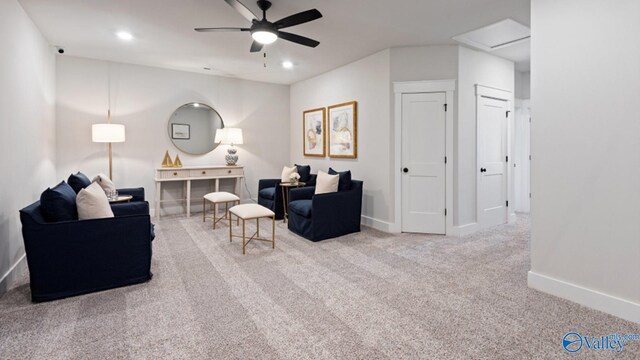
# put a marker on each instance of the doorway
(493, 114)
(423, 148)
(423, 163)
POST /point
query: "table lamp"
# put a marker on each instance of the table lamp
(232, 137)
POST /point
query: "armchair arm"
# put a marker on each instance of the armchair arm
(130, 208)
(266, 183)
(344, 207)
(137, 193)
(302, 193)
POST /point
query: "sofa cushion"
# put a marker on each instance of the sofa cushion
(301, 207)
(78, 181)
(93, 203)
(268, 193)
(59, 203)
(326, 183)
(345, 179)
(286, 173)
(105, 183)
(304, 171)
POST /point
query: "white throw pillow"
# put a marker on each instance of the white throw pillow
(92, 203)
(326, 183)
(105, 183)
(287, 172)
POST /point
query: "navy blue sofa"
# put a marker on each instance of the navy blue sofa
(76, 257)
(325, 216)
(270, 194)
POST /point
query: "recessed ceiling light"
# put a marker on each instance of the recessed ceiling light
(196, 105)
(287, 64)
(123, 35)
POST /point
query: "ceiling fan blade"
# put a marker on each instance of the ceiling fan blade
(297, 19)
(256, 46)
(298, 39)
(243, 10)
(220, 29)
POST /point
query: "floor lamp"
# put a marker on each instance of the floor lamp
(108, 133)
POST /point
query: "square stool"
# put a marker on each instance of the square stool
(218, 198)
(250, 212)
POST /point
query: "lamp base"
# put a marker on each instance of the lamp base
(231, 158)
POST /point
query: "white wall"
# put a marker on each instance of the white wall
(27, 128)
(585, 139)
(144, 98)
(523, 85)
(366, 81)
(475, 67)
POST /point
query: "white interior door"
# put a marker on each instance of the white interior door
(492, 161)
(423, 163)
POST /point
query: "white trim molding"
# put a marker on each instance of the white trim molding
(621, 308)
(377, 224)
(7, 280)
(464, 230)
(448, 87)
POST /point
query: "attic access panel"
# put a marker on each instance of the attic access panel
(495, 36)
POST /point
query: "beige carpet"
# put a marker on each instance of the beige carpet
(364, 296)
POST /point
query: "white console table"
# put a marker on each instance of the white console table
(194, 173)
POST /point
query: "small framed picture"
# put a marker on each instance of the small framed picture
(180, 131)
(313, 132)
(343, 130)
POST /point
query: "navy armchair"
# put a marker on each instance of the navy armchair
(325, 216)
(270, 194)
(76, 257)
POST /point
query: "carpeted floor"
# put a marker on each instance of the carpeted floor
(369, 295)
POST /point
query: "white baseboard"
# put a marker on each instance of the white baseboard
(596, 300)
(7, 280)
(376, 224)
(464, 230)
(512, 218)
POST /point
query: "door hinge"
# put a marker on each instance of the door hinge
(445, 212)
(508, 113)
(507, 203)
(529, 157)
(445, 107)
(445, 159)
(506, 158)
(529, 195)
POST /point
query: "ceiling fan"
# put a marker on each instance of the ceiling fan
(266, 32)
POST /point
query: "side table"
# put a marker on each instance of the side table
(121, 199)
(286, 186)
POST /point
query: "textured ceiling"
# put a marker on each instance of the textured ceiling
(349, 30)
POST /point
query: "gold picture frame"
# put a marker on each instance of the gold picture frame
(342, 125)
(314, 138)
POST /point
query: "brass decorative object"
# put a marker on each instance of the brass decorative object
(167, 162)
(177, 162)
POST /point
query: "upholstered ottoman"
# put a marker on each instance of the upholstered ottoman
(250, 212)
(219, 198)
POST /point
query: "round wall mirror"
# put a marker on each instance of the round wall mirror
(193, 126)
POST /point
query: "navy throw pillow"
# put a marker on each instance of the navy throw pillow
(59, 203)
(78, 181)
(344, 179)
(304, 171)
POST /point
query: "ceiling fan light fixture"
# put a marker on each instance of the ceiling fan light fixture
(264, 37)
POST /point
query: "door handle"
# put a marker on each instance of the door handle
(405, 170)
(483, 170)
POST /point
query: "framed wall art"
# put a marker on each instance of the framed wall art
(180, 131)
(343, 130)
(313, 132)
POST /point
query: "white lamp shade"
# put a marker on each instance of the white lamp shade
(229, 136)
(104, 133)
(220, 135)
